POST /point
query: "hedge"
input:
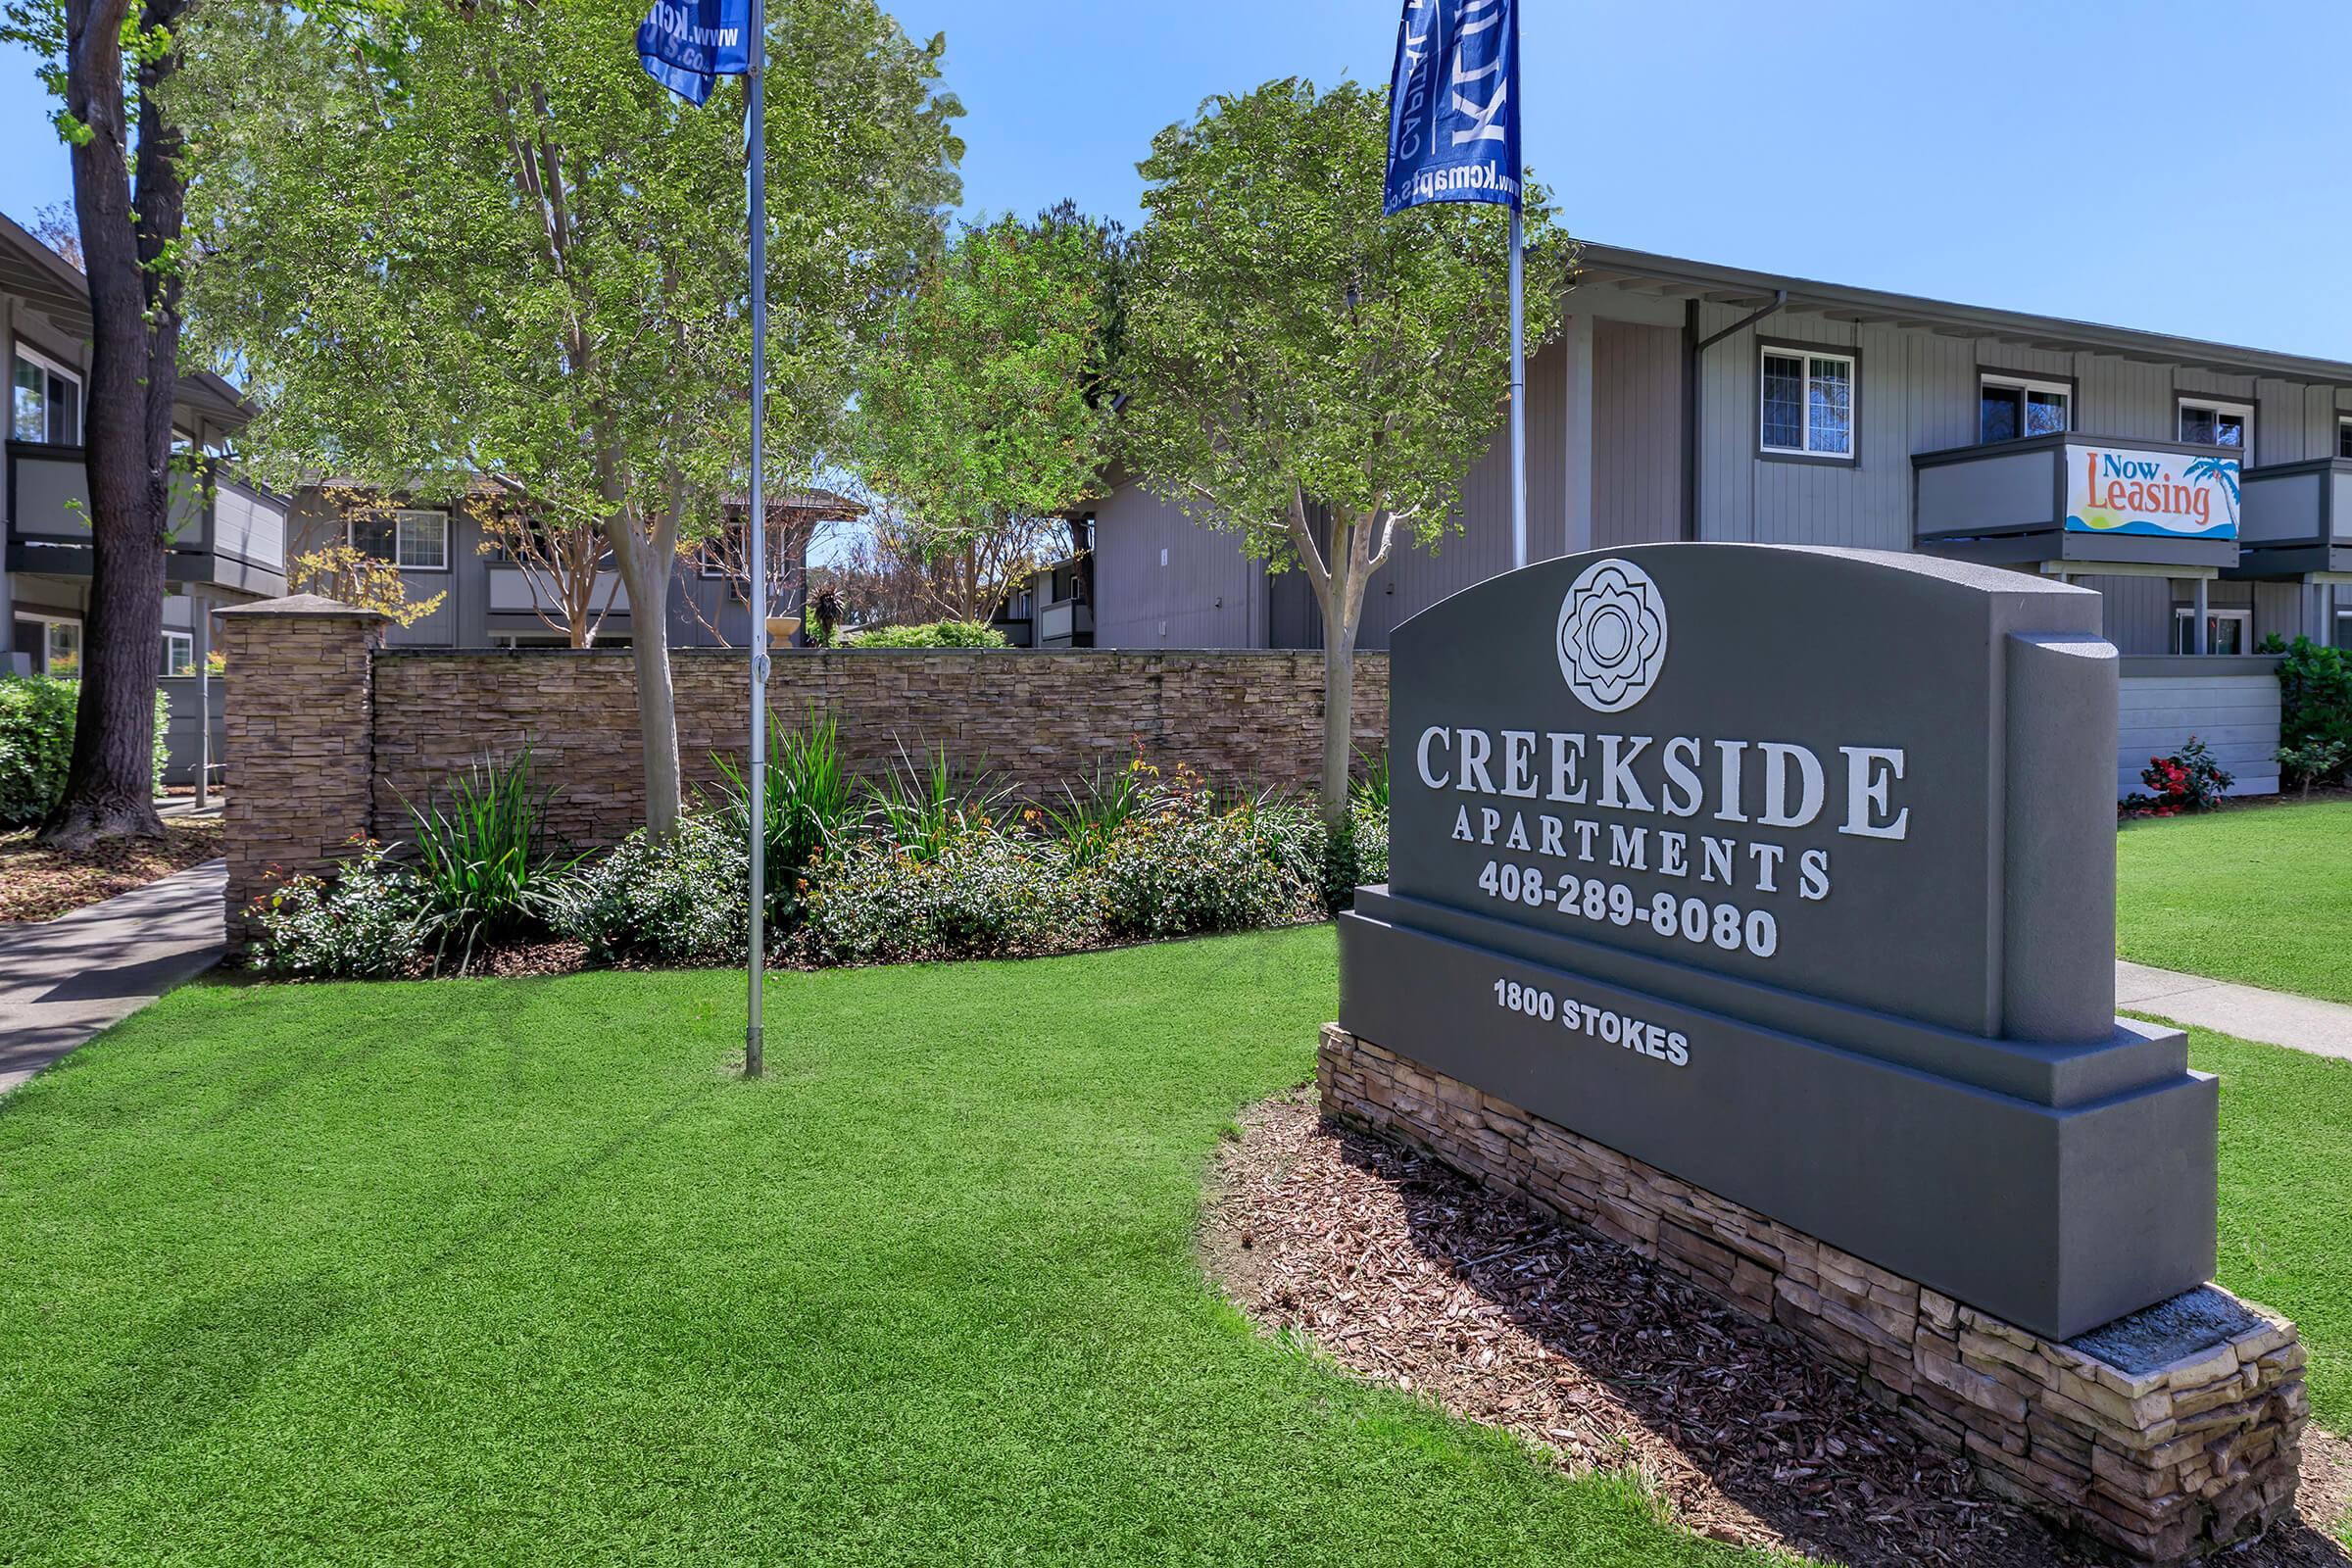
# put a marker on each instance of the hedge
(36, 744)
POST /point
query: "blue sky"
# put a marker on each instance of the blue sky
(2156, 165)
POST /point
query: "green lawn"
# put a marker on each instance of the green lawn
(508, 1271)
(2259, 894)
(2286, 1197)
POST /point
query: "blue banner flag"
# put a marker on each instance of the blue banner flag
(687, 45)
(1453, 104)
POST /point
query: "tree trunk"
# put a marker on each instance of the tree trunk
(645, 571)
(1339, 720)
(135, 315)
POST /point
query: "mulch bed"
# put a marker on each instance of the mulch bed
(1406, 1273)
(37, 884)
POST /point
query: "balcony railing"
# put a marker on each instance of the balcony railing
(1061, 623)
(2081, 502)
(2297, 520)
(515, 591)
(222, 531)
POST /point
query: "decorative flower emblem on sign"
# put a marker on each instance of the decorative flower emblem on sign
(1612, 635)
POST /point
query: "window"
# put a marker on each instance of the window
(2226, 631)
(46, 404)
(54, 643)
(412, 541)
(2205, 423)
(179, 653)
(2012, 407)
(2343, 438)
(1808, 404)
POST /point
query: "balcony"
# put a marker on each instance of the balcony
(2297, 522)
(1067, 624)
(225, 533)
(517, 592)
(2075, 505)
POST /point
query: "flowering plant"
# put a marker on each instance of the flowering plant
(2188, 780)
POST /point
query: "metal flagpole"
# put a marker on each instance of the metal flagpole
(754, 1063)
(1518, 401)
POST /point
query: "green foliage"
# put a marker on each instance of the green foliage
(1093, 814)
(484, 869)
(2315, 761)
(1187, 868)
(975, 893)
(809, 804)
(2315, 700)
(1287, 343)
(988, 398)
(36, 744)
(917, 809)
(368, 922)
(681, 900)
(930, 634)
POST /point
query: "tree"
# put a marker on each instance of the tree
(563, 565)
(107, 62)
(55, 227)
(353, 576)
(985, 410)
(794, 522)
(473, 237)
(912, 569)
(1307, 372)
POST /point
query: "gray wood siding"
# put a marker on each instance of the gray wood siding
(1636, 433)
(1203, 593)
(2236, 714)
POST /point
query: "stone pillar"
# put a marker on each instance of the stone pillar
(298, 740)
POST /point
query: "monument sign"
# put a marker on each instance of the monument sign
(1790, 872)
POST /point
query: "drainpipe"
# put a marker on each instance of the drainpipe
(1694, 346)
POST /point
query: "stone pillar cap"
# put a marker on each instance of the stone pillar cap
(303, 605)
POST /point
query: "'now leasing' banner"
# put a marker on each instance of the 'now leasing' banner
(2127, 490)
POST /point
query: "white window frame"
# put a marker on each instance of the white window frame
(351, 526)
(40, 660)
(1853, 381)
(2343, 435)
(2186, 615)
(25, 351)
(2244, 410)
(172, 641)
(2028, 385)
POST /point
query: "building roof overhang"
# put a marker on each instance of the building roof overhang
(1675, 277)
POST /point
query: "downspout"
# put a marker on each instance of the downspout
(1694, 346)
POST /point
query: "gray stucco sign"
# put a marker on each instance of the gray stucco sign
(1792, 872)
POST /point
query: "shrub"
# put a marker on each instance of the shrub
(1187, 868)
(1371, 824)
(809, 804)
(1092, 815)
(36, 741)
(981, 893)
(36, 744)
(2315, 701)
(482, 864)
(921, 808)
(2188, 780)
(931, 634)
(368, 922)
(2315, 761)
(684, 900)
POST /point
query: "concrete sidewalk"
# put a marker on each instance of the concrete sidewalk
(63, 980)
(2322, 1028)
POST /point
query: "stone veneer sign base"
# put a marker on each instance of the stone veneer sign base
(2164, 1435)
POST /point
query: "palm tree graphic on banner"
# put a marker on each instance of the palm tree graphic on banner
(2221, 471)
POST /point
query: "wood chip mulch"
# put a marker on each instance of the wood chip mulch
(1406, 1273)
(39, 884)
